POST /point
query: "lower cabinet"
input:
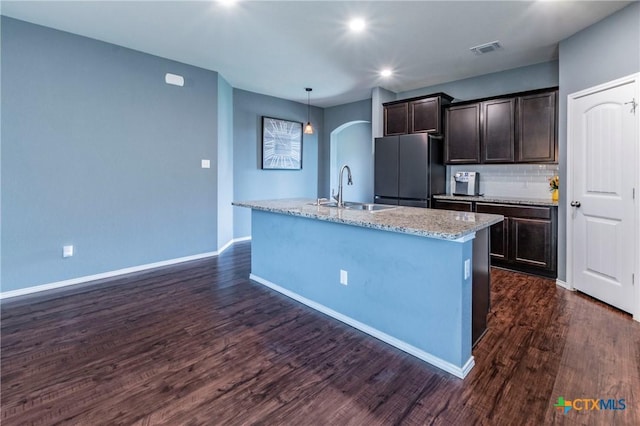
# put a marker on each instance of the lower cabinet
(480, 290)
(499, 240)
(526, 241)
(461, 206)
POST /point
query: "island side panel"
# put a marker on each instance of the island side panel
(409, 287)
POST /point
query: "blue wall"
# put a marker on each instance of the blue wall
(521, 79)
(224, 162)
(335, 117)
(98, 152)
(250, 181)
(498, 83)
(605, 51)
(353, 145)
(406, 286)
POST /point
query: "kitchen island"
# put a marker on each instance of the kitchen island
(403, 275)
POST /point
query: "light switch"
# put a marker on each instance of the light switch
(206, 164)
(344, 277)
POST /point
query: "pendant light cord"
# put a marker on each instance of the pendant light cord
(308, 129)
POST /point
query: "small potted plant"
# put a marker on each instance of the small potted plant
(554, 184)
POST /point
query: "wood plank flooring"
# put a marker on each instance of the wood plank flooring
(199, 343)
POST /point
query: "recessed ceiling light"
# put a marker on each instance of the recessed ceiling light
(227, 2)
(386, 72)
(357, 25)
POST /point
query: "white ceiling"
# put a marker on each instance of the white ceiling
(280, 47)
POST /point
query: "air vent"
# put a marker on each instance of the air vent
(486, 48)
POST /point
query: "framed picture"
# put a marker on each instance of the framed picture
(281, 144)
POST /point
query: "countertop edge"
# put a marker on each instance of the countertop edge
(498, 200)
(448, 236)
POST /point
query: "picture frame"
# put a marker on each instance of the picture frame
(281, 144)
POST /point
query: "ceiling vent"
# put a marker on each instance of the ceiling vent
(486, 48)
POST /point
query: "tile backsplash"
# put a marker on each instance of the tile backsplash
(510, 180)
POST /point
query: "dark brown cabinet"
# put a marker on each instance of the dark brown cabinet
(461, 206)
(531, 242)
(526, 240)
(498, 131)
(499, 239)
(462, 134)
(537, 142)
(415, 115)
(518, 128)
(396, 119)
(481, 286)
(425, 116)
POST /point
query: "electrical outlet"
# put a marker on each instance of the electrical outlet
(467, 268)
(344, 277)
(205, 164)
(67, 251)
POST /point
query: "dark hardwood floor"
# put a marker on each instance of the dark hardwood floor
(199, 343)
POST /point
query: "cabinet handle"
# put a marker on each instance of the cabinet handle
(575, 204)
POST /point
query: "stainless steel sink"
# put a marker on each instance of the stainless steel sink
(350, 205)
(370, 207)
(347, 204)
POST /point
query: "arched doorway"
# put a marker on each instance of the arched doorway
(352, 144)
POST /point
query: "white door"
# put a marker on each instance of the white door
(603, 138)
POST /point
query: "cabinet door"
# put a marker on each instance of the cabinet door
(461, 206)
(424, 116)
(396, 118)
(499, 233)
(386, 167)
(499, 239)
(462, 134)
(531, 242)
(537, 128)
(498, 131)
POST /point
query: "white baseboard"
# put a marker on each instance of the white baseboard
(563, 284)
(237, 240)
(111, 274)
(460, 372)
(232, 242)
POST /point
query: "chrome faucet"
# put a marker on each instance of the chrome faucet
(338, 197)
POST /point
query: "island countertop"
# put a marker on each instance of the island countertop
(432, 223)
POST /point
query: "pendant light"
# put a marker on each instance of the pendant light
(308, 129)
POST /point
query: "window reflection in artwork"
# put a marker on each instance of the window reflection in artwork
(281, 144)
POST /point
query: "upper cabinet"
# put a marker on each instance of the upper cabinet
(396, 120)
(462, 134)
(537, 128)
(498, 131)
(415, 115)
(425, 115)
(519, 128)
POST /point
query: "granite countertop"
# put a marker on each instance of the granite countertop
(441, 224)
(499, 199)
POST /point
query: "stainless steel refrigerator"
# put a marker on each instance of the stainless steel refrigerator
(409, 169)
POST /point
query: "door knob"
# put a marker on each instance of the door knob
(575, 204)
